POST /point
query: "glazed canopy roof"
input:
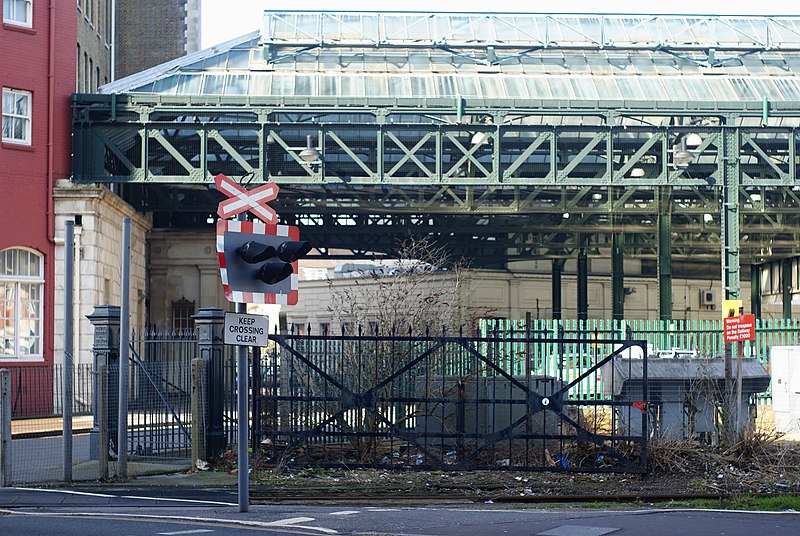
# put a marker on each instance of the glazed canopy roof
(492, 56)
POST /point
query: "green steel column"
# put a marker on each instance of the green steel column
(617, 276)
(665, 258)
(730, 213)
(729, 168)
(786, 287)
(583, 279)
(558, 267)
(755, 290)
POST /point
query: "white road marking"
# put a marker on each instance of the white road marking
(344, 513)
(283, 523)
(68, 492)
(218, 503)
(196, 531)
(107, 496)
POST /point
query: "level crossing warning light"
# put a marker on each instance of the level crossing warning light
(258, 262)
(257, 259)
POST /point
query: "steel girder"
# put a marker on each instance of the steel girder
(504, 175)
(151, 142)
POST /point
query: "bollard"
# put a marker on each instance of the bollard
(105, 348)
(102, 398)
(198, 413)
(209, 323)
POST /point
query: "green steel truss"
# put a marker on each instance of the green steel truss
(496, 181)
(151, 140)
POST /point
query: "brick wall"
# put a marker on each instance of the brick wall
(94, 45)
(150, 33)
(24, 218)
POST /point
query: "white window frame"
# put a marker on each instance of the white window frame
(14, 116)
(17, 280)
(28, 20)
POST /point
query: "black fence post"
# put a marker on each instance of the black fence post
(105, 319)
(209, 323)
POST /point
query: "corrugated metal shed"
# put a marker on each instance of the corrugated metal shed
(628, 372)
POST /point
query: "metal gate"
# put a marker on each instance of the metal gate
(159, 395)
(450, 403)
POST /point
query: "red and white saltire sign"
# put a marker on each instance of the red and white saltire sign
(290, 285)
(739, 328)
(241, 199)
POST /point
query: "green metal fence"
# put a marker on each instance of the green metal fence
(564, 361)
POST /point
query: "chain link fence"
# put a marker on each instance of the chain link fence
(35, 403)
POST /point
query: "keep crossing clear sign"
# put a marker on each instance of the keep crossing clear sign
(246, 330)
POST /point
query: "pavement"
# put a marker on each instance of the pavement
(45, 426)
(168, 499)
(184, 504)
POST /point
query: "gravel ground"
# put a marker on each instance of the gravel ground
(676, 468)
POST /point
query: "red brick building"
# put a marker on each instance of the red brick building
(37, 76)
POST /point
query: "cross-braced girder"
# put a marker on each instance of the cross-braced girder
(489, 180)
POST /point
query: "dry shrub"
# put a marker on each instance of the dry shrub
(676, 456)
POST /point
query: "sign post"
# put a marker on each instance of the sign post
(259, 280)
(737, 328)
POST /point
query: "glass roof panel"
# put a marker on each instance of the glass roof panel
(784, 32)
(166, 86)
(610, 57)
(189, 84)
(560, 87)
(236, 84)
(743, 89)
(584, 89)
(630, 88)
(538, 87)
(213, 84)
(789, 88)
(398, 85)
(492, 87)
(282, 84)
(239, 59)
(697, 88)
(652, 89)
(515, 88)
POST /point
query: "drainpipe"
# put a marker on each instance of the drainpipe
(113, 69)
(51, 84)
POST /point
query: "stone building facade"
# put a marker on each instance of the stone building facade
(98, 215)
(508, 295)
(184, 277)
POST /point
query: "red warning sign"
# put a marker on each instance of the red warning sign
(739, 328)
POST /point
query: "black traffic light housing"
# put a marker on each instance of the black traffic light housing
(258, 261)
(277, 260)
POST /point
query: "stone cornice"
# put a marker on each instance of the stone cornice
(100, 196)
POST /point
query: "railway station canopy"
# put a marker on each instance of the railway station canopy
(508, 136)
